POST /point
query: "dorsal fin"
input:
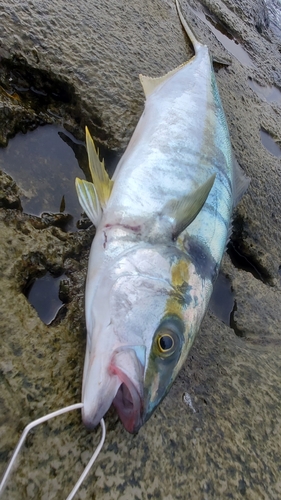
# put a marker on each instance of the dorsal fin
(103, 184)
(184, 211)
(89, 200)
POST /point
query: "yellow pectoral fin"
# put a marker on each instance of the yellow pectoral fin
(89, 200)
(103, 184)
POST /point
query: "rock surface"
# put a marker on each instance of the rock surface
(218, 432)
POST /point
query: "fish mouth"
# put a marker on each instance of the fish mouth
(118, 381)
(128, 404)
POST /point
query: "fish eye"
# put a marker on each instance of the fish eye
(168, 338)
(165, 342)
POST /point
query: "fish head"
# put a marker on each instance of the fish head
(141, 320)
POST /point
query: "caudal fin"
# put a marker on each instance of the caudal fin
(196, 44)
(150, 84)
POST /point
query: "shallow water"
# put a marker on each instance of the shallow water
(44, 166)
(268, 92)
(226, 38)
(43, 295)
(269, 143)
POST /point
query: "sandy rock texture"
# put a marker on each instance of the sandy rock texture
(218, 432)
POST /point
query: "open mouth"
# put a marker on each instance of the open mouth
(117, 381)
(128, 405)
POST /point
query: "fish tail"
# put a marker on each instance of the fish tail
(196, 44)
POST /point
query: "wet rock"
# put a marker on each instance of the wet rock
(255, 316)
(9, 193)
(29, 98)
(82, 48)
(255, 14)
(79, 64)
(14, 116)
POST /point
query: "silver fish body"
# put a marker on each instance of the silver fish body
(161, 233)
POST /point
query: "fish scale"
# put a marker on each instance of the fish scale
(170, 145)
(162, 224)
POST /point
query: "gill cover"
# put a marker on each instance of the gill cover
(161, 370)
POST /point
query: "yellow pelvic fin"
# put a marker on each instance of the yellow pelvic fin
(103, 184)
(89, 200)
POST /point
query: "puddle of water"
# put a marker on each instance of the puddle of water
(43, 295)
(44, 164)
(270, 143)
(44, 167)
(226, 38)
(268, 92)
(222, 300)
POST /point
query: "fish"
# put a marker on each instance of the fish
(162, 225)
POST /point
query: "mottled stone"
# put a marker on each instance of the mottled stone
(9, 193)
(85, 58)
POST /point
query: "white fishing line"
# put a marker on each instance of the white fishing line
(40, 421)
(87, 468)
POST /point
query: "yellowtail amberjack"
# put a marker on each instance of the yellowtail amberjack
(162, 225)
